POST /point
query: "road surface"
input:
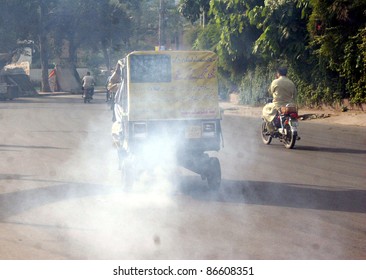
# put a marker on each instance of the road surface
(60, 193)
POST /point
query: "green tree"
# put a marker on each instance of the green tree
(147, 24)
(19, 20)
(90, 25)
(339, 46)
(26, 20)
(283, 26)
(236, 40)
(283, 40)
(237, 34)
(194, 10)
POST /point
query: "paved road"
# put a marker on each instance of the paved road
(60, 196)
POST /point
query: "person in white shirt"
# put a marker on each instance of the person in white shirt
(88, 83)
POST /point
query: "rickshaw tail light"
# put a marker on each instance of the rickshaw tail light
(208, 129)
(139, 130)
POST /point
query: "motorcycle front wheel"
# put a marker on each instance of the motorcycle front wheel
(290, 139)
(266, 136)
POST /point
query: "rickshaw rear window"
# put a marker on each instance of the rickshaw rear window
(150, 68)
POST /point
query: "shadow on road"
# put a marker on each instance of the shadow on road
(245, 192)
(32, 147)
(330, 150)
(14, 203)
(56, 99)
(279, 194)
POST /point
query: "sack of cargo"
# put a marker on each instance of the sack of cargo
(288, 109)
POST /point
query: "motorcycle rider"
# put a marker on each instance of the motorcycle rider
(88, 84)
(114, 84)
(283, 91)
(117, 84)
(109, 94)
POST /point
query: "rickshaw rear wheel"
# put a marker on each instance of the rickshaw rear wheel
(214, 173)
(127, 175)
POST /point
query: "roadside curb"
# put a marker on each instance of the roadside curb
(351, 117)
(62, 93)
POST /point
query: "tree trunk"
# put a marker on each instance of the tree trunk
(107, 58)
(73, 58)
(45, 86)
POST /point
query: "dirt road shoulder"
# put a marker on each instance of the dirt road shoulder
(350, 117)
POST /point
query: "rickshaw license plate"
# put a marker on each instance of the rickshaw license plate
(193, 132)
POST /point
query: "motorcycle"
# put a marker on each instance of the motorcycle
(285, 126)
(88, 95)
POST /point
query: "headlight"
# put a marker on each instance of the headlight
(208, 129)
(139, 130)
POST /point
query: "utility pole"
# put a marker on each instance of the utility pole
(161, 24)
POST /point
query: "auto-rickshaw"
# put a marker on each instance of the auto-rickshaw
(167, 105)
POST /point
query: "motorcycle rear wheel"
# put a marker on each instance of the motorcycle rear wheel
(87, 99)
(290, 139)
(266, 136)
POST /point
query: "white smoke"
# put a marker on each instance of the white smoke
(110, 222)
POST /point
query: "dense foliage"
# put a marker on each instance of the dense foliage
(321, 41)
